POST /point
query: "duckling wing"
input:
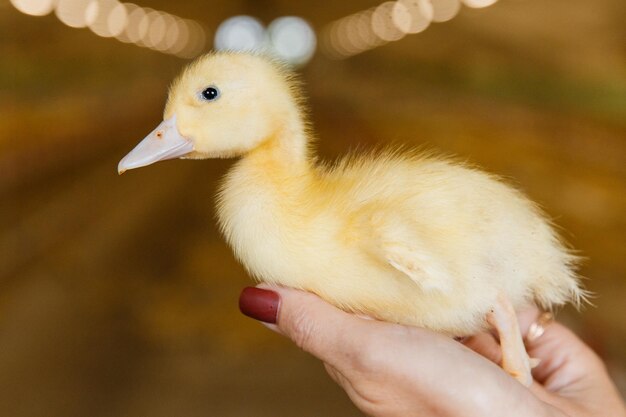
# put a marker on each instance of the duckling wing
(417, 264)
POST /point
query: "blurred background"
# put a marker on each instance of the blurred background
(119, 297)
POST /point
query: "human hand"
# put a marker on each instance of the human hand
(392, 370)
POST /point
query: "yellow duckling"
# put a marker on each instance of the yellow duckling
(405, 238)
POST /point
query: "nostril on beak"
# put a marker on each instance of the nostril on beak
(159, 134)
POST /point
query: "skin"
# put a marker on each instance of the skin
(390, 370)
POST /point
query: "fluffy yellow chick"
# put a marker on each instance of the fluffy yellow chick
(403, 237)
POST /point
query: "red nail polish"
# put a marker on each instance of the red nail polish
(259, 304)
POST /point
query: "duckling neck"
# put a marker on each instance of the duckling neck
(283, 156)
(262, 198)
(287, 148)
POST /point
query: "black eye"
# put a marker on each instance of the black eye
(210, 93)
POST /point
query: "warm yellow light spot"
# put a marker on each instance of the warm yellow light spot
(182, 37)
(444, 10)
(351, 35)
(170, 34)
(143, 28)
(349, 27)
(91, 12)
(118, 19)
(34, 7)
(200, 38)
(74, 12)
(156, 30)
(382, 23)
(477, 4)
(135, 16)
(333, 43)
(364, 29)
(342, 36)
(123, 35)
(100, 25)
(196, 41)
(359, 31)
(412, 16)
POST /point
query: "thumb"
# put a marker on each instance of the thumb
(311, 323)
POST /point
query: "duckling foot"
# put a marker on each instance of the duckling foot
(515, 360)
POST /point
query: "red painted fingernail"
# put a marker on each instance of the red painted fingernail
(259, 304)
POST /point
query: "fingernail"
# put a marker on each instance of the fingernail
(259, 304)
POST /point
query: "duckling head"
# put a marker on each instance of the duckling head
(222, 105)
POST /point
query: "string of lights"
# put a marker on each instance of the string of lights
(388, 22)
(290, 38)
(126, 22)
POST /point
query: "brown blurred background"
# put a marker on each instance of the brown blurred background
(119, 298)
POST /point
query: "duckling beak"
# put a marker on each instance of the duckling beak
(162, 143)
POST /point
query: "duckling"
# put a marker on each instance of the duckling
(404, 237)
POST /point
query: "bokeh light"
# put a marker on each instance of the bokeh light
(127, 22)
(330, 42)
(34, 7)
(117, 20)
(412, 16)
(196, 39)
(181, 30)
(143, 27)
(133, 32)
(170, 33)
(292, 39)
(156, 29)
(383, 25)
(76, 13)
(100, 25)
(240, 33)
(444, 10)
(478, 3)
(351, 35)
(390, 21)
(348, 35)
(362, 29)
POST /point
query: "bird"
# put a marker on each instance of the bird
(399, 235)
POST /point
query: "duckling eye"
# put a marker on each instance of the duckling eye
(210, 94)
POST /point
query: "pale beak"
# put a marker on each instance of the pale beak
(162, 143)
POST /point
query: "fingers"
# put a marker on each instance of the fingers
(526, 318)
(554, 347)
(387, 365)
(558, 348)
(564, 357)
(486, 344)
(572, 370)
(312, 324)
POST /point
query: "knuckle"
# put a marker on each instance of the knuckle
(302, 329)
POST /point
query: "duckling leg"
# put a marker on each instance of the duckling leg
(514, 357)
